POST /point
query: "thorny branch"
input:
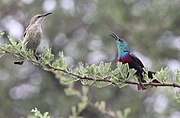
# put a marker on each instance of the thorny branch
(49, 66)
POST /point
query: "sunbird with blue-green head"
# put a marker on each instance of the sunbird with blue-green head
(33, 35)
(127, 56)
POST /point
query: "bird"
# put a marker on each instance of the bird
(125, 55)
(33, 35)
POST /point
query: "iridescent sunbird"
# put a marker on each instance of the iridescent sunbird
(127, 56)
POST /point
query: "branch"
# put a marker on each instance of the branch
(81, 77)
(11, 52)
(154, 84)
(109, 81)
(105, 79)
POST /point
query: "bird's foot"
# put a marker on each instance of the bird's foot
(141, 87)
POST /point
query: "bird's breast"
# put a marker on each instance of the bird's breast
(124, 57)
(33, 38)
(35, 33)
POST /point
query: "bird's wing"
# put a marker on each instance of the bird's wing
(24, 34)
(136, 59)
(26, 42)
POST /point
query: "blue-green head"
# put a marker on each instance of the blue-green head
(122, 45)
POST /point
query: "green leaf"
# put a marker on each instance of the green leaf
(20, 44)
(104, 69)
(93, 70)
(115, 72)
(126, 112)
(8, 47)
(85, 90)
(101, 105)
(63, 63)
(123, 69)
(46, 115)
(47, 56)
(162, 75)
(123, 114)
(81, 106)
(68, 91)
(118, 81)
(15, 46)
(87, 82)
(1, 33)
(101, 84)
(131, 73)
(30, 54)
(69, 80)
(2, 53)
(60, 63)
(74, 111)
(58, 74)
(177, 76)
(81, 70)
(12, 40)
(177, 96)
(38, 113)
(145, 75)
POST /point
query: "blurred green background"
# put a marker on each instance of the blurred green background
(81, 28)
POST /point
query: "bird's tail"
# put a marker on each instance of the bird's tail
(18, 62)
(150, 75)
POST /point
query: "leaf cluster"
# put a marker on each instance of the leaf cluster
(100, 75)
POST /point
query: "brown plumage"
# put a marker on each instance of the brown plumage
(33, 34)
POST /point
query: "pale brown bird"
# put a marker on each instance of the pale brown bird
(33, 35)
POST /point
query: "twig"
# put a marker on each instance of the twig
(11, 52)
(154, 84)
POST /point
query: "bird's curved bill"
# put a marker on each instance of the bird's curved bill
(114, 35)
(46, 14)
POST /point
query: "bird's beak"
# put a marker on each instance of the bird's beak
(115, 36)
(46, 14)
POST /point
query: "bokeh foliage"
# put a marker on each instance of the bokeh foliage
(151, 27)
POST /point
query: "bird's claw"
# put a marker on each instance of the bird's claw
(140, 86)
